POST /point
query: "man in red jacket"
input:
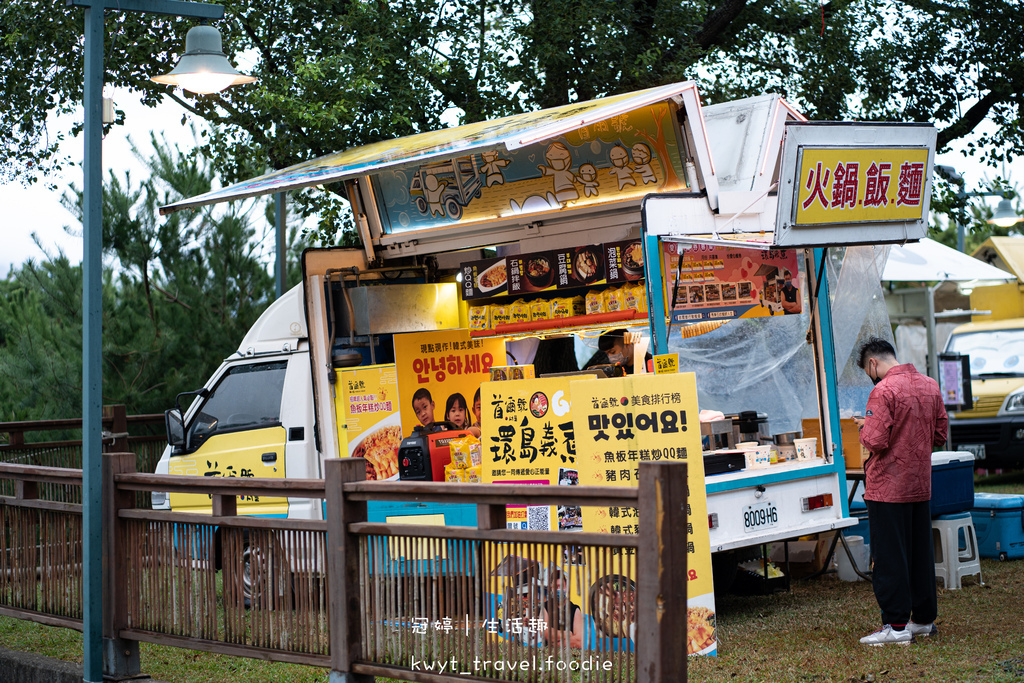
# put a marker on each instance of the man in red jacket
(904, 419)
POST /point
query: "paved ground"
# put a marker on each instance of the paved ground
(24, 667)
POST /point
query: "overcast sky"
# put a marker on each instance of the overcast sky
(37, 210)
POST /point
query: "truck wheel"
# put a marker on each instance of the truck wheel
(724, 567)
(421, 204)
(1003, 557)
(265, 576)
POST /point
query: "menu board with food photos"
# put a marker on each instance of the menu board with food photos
(484, 278)
(368, 417)
(570, 268)
(624, 261)
(710, 282)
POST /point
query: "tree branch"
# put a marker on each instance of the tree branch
(171, 297)
(970, 120)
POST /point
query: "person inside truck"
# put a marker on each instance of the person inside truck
(423, 406)
(904, 419)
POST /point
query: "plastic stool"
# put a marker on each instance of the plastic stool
(953, 560)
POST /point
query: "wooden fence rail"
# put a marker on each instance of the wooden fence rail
(49, 443)
(413, 602)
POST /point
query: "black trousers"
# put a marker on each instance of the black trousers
(904, 570)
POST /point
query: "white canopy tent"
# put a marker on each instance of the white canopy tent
(929, 261)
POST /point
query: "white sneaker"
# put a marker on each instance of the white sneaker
(888, 636)
(922, 630)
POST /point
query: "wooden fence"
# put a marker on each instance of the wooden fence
(58, 443)
(411, 602)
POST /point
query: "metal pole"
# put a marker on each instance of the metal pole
(280, 200)
(960, 228)
(92, 310)
(92, 340)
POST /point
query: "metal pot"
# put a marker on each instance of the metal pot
(786, 437)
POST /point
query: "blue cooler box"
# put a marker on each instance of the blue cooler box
(999, 524)
(952, 482)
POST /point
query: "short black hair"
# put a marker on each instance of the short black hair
(422, 393)
(610, 338)
(875, 347)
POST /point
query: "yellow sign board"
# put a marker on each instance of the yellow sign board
(622, 422)
(369, 424)
(861, 184)
(439, 376)
(528, 438)
(666, 364)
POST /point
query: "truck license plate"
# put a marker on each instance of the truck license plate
(978, 449)
(761, 516)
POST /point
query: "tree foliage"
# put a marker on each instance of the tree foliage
(178, 295)
(339, 73)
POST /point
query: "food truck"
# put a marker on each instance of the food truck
(704, 230)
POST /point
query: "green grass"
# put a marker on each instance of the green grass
(808, 634)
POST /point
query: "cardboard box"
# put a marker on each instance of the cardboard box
(805, 556)
(853, 452)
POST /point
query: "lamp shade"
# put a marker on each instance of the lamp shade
(204, 68)
(1005, 216)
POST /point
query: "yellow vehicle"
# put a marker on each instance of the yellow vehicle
(993, 429)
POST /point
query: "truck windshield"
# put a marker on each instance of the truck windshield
(247, 397)
(994, 353)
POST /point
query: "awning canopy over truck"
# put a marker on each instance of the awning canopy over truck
(752, 171)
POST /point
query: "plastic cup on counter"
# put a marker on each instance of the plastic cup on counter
(806, 449)
(758, 457)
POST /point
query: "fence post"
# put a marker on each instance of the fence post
(343, 568)
(120, 657)
(118, 416)
(661, 573)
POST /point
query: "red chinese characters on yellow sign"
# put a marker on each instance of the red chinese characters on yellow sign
(860, 185)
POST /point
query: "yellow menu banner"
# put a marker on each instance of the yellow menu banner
(625, 421)
(528, 438)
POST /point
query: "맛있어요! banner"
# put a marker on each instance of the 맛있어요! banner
(619, 424)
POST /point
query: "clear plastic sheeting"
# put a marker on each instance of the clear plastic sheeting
(767, 365)
(858, 313)
(762, 364)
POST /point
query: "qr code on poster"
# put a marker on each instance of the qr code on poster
(538, 518)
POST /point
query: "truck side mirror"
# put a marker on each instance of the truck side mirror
(175, 427)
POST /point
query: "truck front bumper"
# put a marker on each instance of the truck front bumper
(995, 441)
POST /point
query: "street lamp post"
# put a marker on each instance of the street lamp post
(1004, 215)
(121, 656)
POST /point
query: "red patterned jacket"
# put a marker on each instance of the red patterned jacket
(904, 419)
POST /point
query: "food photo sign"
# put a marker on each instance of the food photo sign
(619, 424)
(714, 283)
(569, 268)
(368, 417)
